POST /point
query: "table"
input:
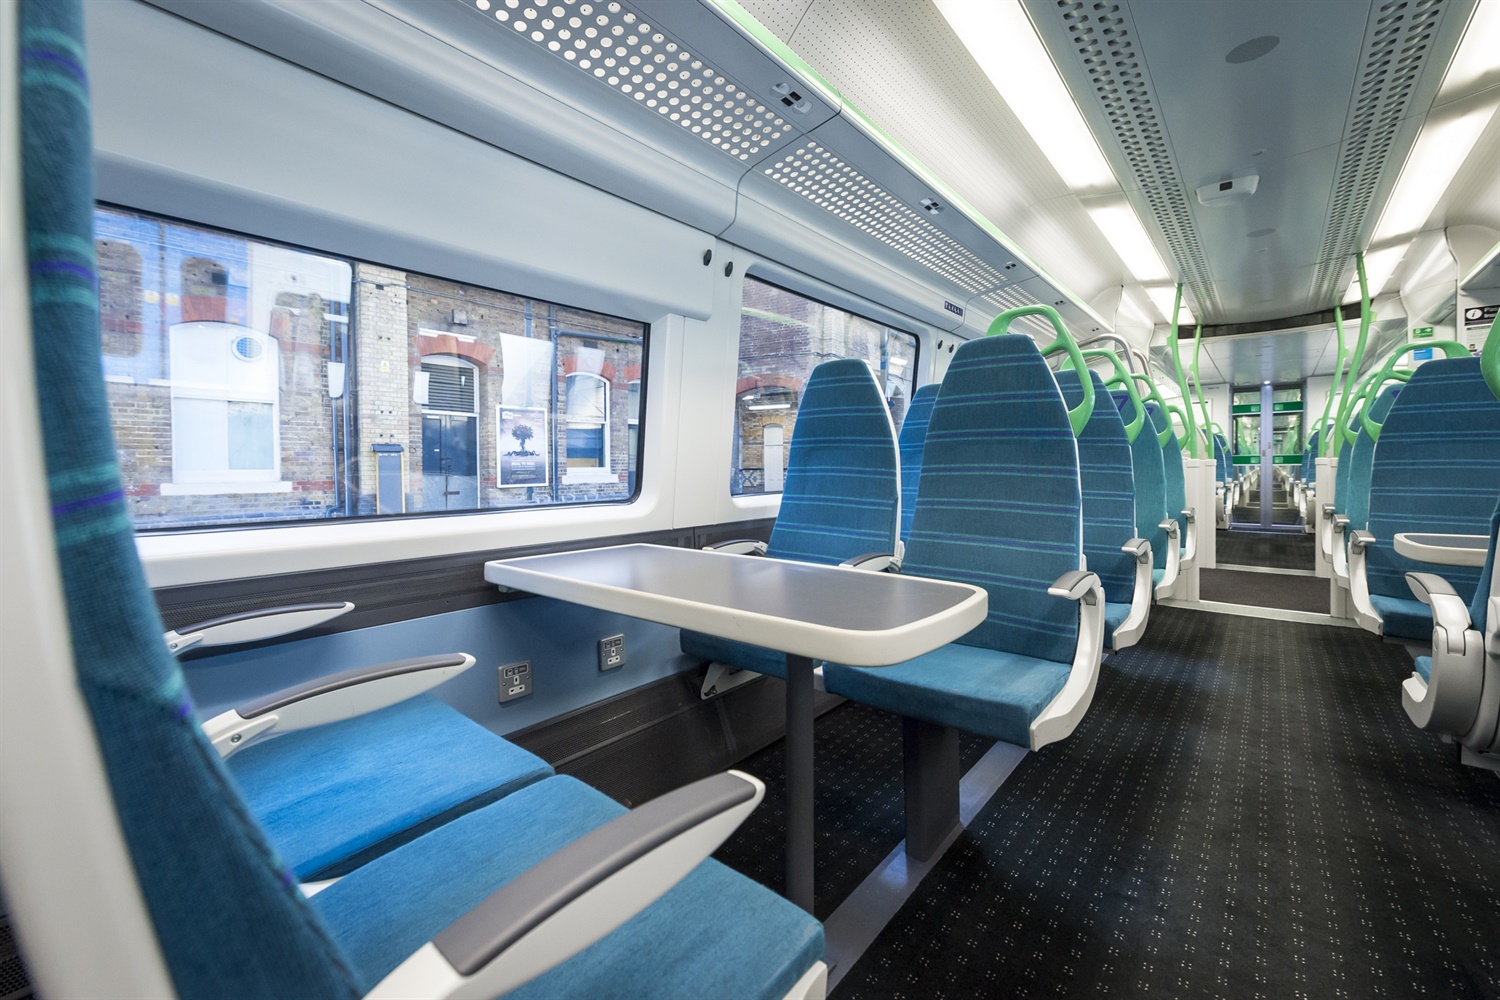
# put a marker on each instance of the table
(1446, 550)
(807, 612)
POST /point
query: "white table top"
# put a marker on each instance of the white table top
(823, 612)
(1446, 550)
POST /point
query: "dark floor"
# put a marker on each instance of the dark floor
(1270, 549)
(1264, 590)
(859, 815)
(1282, 511)
(1244, 812)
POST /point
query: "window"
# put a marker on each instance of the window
(783, 337)
(256, 383)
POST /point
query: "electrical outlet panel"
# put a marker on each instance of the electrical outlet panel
(515, 681)
(612, 652)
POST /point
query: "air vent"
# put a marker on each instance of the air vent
(1104, 43)
(1013, 298)
(450, 388)
(827, 181)
(614, 45)
(1397, 44)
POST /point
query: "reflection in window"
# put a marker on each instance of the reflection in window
(783, 337)
(251, 383)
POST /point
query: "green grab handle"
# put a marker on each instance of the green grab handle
(1122, 377)
(1372, 392)
(1366, 317)
(1326, 442)
(1489, 359)
(1163, 436)
(1079, 415)
(1182, 415)
(1359, 401)
(1174, 345)
(1450, 348)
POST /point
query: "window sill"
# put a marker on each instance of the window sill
(210, 489)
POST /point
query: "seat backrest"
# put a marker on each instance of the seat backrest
(843, 487)
(228, 917)
(1436, 469)
(998, 505)
(1310, 459)
(1221, 460)
(1150, 484)
(913, 438)
(1480, 605)
(1107, 482)
(1171, 464)
(1361, 457)
(1346, 466)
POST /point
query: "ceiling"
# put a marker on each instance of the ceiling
(1324, 118)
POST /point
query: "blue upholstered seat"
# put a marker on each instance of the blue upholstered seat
(1436, 468)
(1361, 460)
(1172, 471)
(843, 491)
(1150, 488)
(1223, 470)
(1114, 616)
(911, 441)
(1422, 665)
(998, 506)
(715, 934)
(333, 796)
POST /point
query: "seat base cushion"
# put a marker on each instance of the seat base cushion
(1403, 618)
(732, 653)
(1157, 575)
(983, 691)
(1114, 617)
(332, 797)
(714, 934)
(1423, 667)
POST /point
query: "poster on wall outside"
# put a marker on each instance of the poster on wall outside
(523, 445)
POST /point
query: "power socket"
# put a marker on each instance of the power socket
(515, 681)
(612, 653)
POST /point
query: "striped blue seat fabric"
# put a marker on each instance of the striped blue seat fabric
(229, 919)
(843, 488)
(1436, 468)
(1107, 483)
(1222, 468)
(1150, 486)
(1172, 470)
(1341, 475)
(843, 491)
(912, 439)
(998, 506)
(1361, 459)
(1310, 458)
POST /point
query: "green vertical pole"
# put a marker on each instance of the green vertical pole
(1333, 387)
(1182, 385)
(1365, 317)
(1206, 429)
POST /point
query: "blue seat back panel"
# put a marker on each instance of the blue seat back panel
(1361, 459)
(1341, 477)
(1171, 464)
(1436, 469)
(228, 916)
(1108, 488)
(913, 438)
(842, 483)
(1479, 606)
(998, 505)
(1150, 485)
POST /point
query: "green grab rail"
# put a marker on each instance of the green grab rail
(1207, 429)
(1079, 415)
(1164, 435)
(1326, 441)
(1121, 377)
(1189, 425)
(1450, 348)
(1351, 431)
(1489, 359)
(1372, 392)
(1366, 316)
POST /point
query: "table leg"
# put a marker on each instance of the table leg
(930, 767)
(799, 781)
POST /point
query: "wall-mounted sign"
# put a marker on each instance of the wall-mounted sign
(1422, 333)
(1480, 315)
(523, 445)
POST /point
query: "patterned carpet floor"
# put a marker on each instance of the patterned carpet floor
(1244, 812)
(859, 813)
(1264, 590)
(1272, 550)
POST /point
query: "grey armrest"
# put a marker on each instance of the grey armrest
(739, 546)
(1170, 527)
(1361, 540)
(252, 626)
(1077, 585)
(1190, 515)
(1425, 586)
(1450, 613)
(1138, 547)
(576, 896)
(330, 699)
(1340, 522)
(873, 562)
(1328, 510)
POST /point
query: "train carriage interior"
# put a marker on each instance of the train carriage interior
(750, 498)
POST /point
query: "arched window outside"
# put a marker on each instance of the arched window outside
(586, 413)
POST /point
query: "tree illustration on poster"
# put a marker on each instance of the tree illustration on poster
(520, 464)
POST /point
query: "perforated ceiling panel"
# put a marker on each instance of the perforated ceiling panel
(1397, 45)
(617, 47)
(1013, 298)
(821, 177)
(1103, 40)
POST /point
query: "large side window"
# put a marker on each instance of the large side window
(783, 337)
(256, 383)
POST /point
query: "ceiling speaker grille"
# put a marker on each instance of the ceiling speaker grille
(614, 45)
(827, 181)
(1397, 44)
(1102, 40)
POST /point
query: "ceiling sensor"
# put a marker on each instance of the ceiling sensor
(790, 99)
(1234, 189)
(931, 207)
